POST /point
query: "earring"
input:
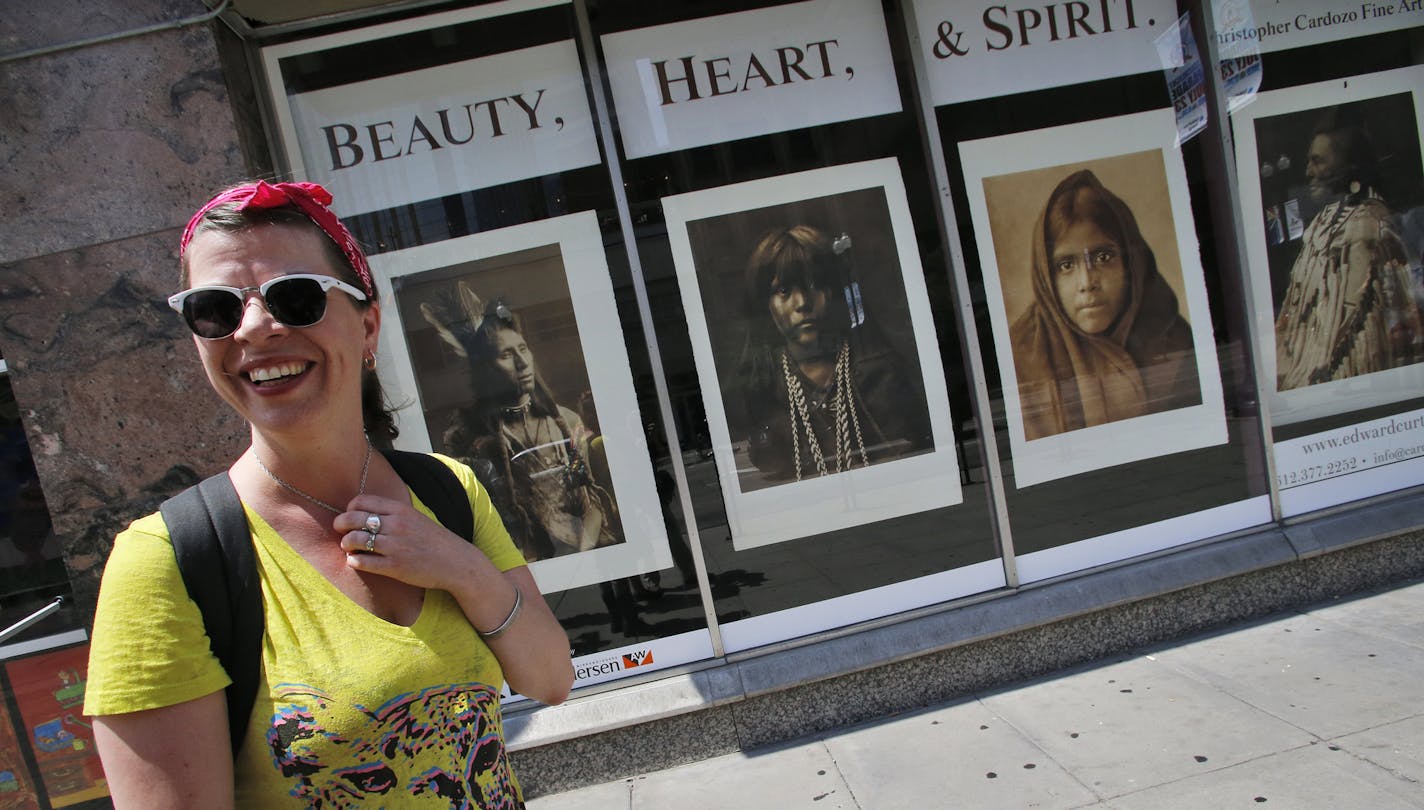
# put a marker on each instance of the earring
(369, 361)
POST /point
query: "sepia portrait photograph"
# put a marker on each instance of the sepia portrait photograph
(813, 341)
(1097, 298)
(1343, 283)
(510, 385)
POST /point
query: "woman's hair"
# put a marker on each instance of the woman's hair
(376, 413)
(1084, 203)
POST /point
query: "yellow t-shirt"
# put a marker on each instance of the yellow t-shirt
(350, 709)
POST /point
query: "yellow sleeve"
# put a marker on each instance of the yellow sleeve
(490, 535)
(149, 648)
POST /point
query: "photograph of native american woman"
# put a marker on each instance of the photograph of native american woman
(1346, 291)
(812, 337)
(505, 388)
(1092, 284)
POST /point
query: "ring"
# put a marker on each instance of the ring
(370, 541)
(373, 523)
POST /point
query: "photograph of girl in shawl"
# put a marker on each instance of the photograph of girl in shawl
(1095, 290)
(1102, 338)
(541, 461)
(816, 379)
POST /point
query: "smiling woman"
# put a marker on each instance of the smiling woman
(1103, 339)
(377, 620)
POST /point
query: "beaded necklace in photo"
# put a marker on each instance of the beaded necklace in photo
(841, 400)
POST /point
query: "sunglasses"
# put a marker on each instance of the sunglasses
(296, 300)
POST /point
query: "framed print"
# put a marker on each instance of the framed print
(17, 783)
(815, 350)
(1337, 293)
(49, 692)
(1095, 294)
(506, 347)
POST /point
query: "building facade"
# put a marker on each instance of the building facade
(913, 346)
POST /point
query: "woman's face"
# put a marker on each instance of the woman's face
(282, 378)
(1090, 276)
(798, 312)
(513, 361)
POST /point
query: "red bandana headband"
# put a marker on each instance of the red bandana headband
(309, 198)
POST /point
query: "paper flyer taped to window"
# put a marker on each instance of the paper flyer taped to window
(1186, 81)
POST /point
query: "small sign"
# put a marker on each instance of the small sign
(468, 125)
(1272, 25)
(734, 76)
(986, 49)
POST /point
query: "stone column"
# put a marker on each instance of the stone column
(105, 150)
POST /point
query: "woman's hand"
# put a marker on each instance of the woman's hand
(533, 650)
(408, 547)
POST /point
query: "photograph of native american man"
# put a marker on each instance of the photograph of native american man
(504, 384)
(1092, 291)
(1346, 291)
(811, 337)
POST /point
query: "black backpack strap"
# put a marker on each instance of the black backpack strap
(213, 546)
(437, 486)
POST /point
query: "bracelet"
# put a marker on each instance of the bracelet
(508, 620)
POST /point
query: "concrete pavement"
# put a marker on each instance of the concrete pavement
(1319, 708)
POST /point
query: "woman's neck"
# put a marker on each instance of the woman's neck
(330, 467)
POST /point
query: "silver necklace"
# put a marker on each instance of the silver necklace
(365, 467)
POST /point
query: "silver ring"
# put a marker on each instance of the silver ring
(373, 523)
(370, 541)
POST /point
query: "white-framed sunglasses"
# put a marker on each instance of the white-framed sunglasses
(214, 312)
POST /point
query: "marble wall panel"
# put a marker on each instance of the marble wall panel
(111, 140)
(116, 407)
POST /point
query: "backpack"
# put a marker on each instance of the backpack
(213, 546)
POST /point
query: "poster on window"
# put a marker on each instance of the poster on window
(49, 692)
(17, 783)
(1338, 294)
(815, 349)
(1095, 293)
(505, 345)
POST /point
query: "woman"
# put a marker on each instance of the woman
(823, 392)
(380, 625)
(535, 456)
(1103, 339)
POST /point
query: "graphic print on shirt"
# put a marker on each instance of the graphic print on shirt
(443, 742)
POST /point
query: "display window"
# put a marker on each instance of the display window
(1112, 345)
(1331, 186)
(786, 226)
(463, 149)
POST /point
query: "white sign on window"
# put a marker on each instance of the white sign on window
(444, 130)
(1273, 25)
(981, 49)
(734, 76)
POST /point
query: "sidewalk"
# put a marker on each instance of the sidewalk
(1321, 709)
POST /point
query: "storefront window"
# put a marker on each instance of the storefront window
(1332, 194)
(1110, 343)
(463, 148)
(789, 237)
